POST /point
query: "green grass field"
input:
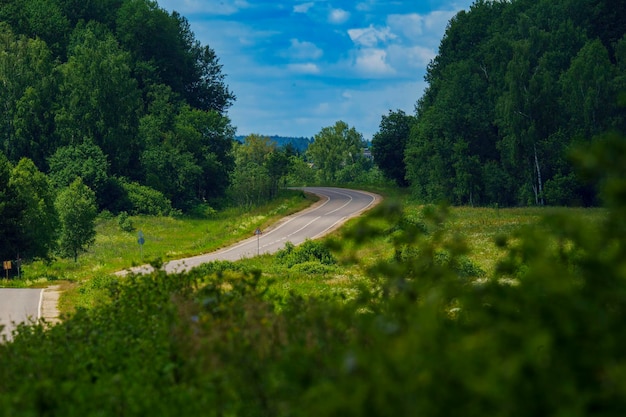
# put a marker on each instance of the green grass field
(479, 227)
(391, 303)
(168, 238)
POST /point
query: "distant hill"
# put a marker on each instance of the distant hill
(300, 144)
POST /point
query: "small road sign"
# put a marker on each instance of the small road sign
(141, 241)
(7, 266)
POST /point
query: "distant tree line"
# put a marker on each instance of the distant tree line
(515, 86)
(299, 144)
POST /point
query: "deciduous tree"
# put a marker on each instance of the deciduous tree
(85, 160)
(389, 143)
(77, 210)
(28, 83)
(100, 99)
(250, 180)
(37, 223)
(335, 147)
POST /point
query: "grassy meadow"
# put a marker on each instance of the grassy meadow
(396, 302)
(477, 226)
(167, 238)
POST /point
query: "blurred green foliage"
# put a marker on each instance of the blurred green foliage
(428, 336)
(309, 251)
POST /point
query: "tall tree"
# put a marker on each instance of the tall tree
(187, 152)
(588, 96)
(209, 136)
(38, 19)
(277, 165)
(85, 160)
(76, 206)
(513, 84)
(100, 99)
(37, 224)
(28, 83)
(9, 211)
(334, 148)
(169, 53)
(250, 180)
(389, 143)
(103, 11)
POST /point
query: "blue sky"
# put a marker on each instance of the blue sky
(298, 66)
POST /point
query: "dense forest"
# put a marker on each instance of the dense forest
(116, 93)
(120, 96)
(515, 86)
(117, 90)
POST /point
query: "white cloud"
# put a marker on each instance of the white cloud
(338, 16)
(302, 8)
(411, 26)
(307, 68)
(426, 29)
(228, 37)
(322, 109)
(420, 56)
(365, 6)
(368, 105)
(303, 50)
(438, 21)
(370, 36)
(408, 59)
(373, 62)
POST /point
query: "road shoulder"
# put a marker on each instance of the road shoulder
(50, 304)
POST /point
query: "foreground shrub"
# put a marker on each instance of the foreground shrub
(544, 335)
(309, 251)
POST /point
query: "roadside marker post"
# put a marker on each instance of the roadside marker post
(258, 234)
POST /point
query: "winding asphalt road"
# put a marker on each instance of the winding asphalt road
(335, 207)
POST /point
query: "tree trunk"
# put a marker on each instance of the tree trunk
(539, 192)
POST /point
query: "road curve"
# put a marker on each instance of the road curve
(335, 207)
(18, 305)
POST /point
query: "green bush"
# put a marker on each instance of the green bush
(219, 267)
(125, 222)
(312, 268)
(543, 335)
(310, 250)
(202, 211)
(138, 199)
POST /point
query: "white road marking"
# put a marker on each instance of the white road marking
(39, 312)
